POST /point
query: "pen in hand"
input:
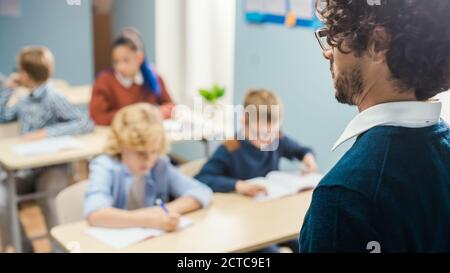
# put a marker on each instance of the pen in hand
(160, 203)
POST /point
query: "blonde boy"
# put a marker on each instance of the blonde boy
(134, 173)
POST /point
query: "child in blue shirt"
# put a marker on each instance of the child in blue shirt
(256, 152)
(42, 113)
(126, 182)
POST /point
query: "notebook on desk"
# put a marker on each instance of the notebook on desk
(47, 146)
(122, 238)
(281, 184)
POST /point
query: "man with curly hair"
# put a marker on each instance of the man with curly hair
(391, 191)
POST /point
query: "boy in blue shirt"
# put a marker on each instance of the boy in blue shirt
(42, 113)
(258, 153)
(134, 172)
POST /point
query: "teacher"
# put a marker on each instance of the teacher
(391, 191)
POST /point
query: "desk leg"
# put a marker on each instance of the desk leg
(14, 213)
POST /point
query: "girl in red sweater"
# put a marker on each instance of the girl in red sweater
(132, 80)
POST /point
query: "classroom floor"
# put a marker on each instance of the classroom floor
(33, 220)
(34, 225)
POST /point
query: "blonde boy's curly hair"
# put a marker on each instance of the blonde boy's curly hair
(136, 126)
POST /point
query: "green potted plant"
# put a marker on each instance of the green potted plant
(212, 97)
(213, 94)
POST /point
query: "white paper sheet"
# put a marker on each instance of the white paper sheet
(47, 146)
(122, 238)
(279, 184)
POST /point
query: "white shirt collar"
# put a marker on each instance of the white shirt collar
(410, 114)
(138, 79)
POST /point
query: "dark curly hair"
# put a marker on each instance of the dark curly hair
(418, 46)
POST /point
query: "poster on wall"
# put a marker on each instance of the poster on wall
(292, 13)
(10, 8)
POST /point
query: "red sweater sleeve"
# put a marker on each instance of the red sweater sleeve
(165, 100)
(101, 107)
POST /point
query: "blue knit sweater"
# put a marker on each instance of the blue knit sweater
(226, 167)
(392, 187)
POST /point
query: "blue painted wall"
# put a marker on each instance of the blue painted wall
(290, 62)
(139, 14)
(66, 30)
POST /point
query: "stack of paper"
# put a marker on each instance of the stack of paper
(47, 146)
(279, 184)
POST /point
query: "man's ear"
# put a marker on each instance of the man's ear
(378, 44)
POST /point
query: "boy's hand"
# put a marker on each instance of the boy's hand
(12, 82)
(158, 218)
(38, 135)
(169, 222)
(309, 164)
(166, 110)
(248, 189)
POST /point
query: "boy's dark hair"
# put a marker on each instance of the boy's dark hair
(131, 38)
(418, 45)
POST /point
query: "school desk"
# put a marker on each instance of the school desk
(233, 223)
(8, 130)
(93, 145)
(10, 162)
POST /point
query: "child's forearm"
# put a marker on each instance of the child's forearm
(310, 163)
(117, 218)
(183, 205)
(218, 183)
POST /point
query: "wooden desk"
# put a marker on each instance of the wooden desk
(93, 145)
(232, 224)
(9, 130)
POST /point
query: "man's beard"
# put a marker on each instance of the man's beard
(349, 85)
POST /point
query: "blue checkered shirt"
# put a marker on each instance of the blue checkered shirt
(45, 108)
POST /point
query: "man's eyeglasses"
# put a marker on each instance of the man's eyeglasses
(322, 38)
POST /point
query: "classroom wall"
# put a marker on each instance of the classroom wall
(139, 14)
(66, 30)
(290, 62)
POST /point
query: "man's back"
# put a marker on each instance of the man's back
(392, 187)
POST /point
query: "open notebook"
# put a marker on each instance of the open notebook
(122, 238)
(280, 184)
(47, 146)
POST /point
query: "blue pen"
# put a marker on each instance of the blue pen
(160, 203)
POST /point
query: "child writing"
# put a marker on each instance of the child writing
(258, 153)
(43, 113)
(126, 182)
(132, 80)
